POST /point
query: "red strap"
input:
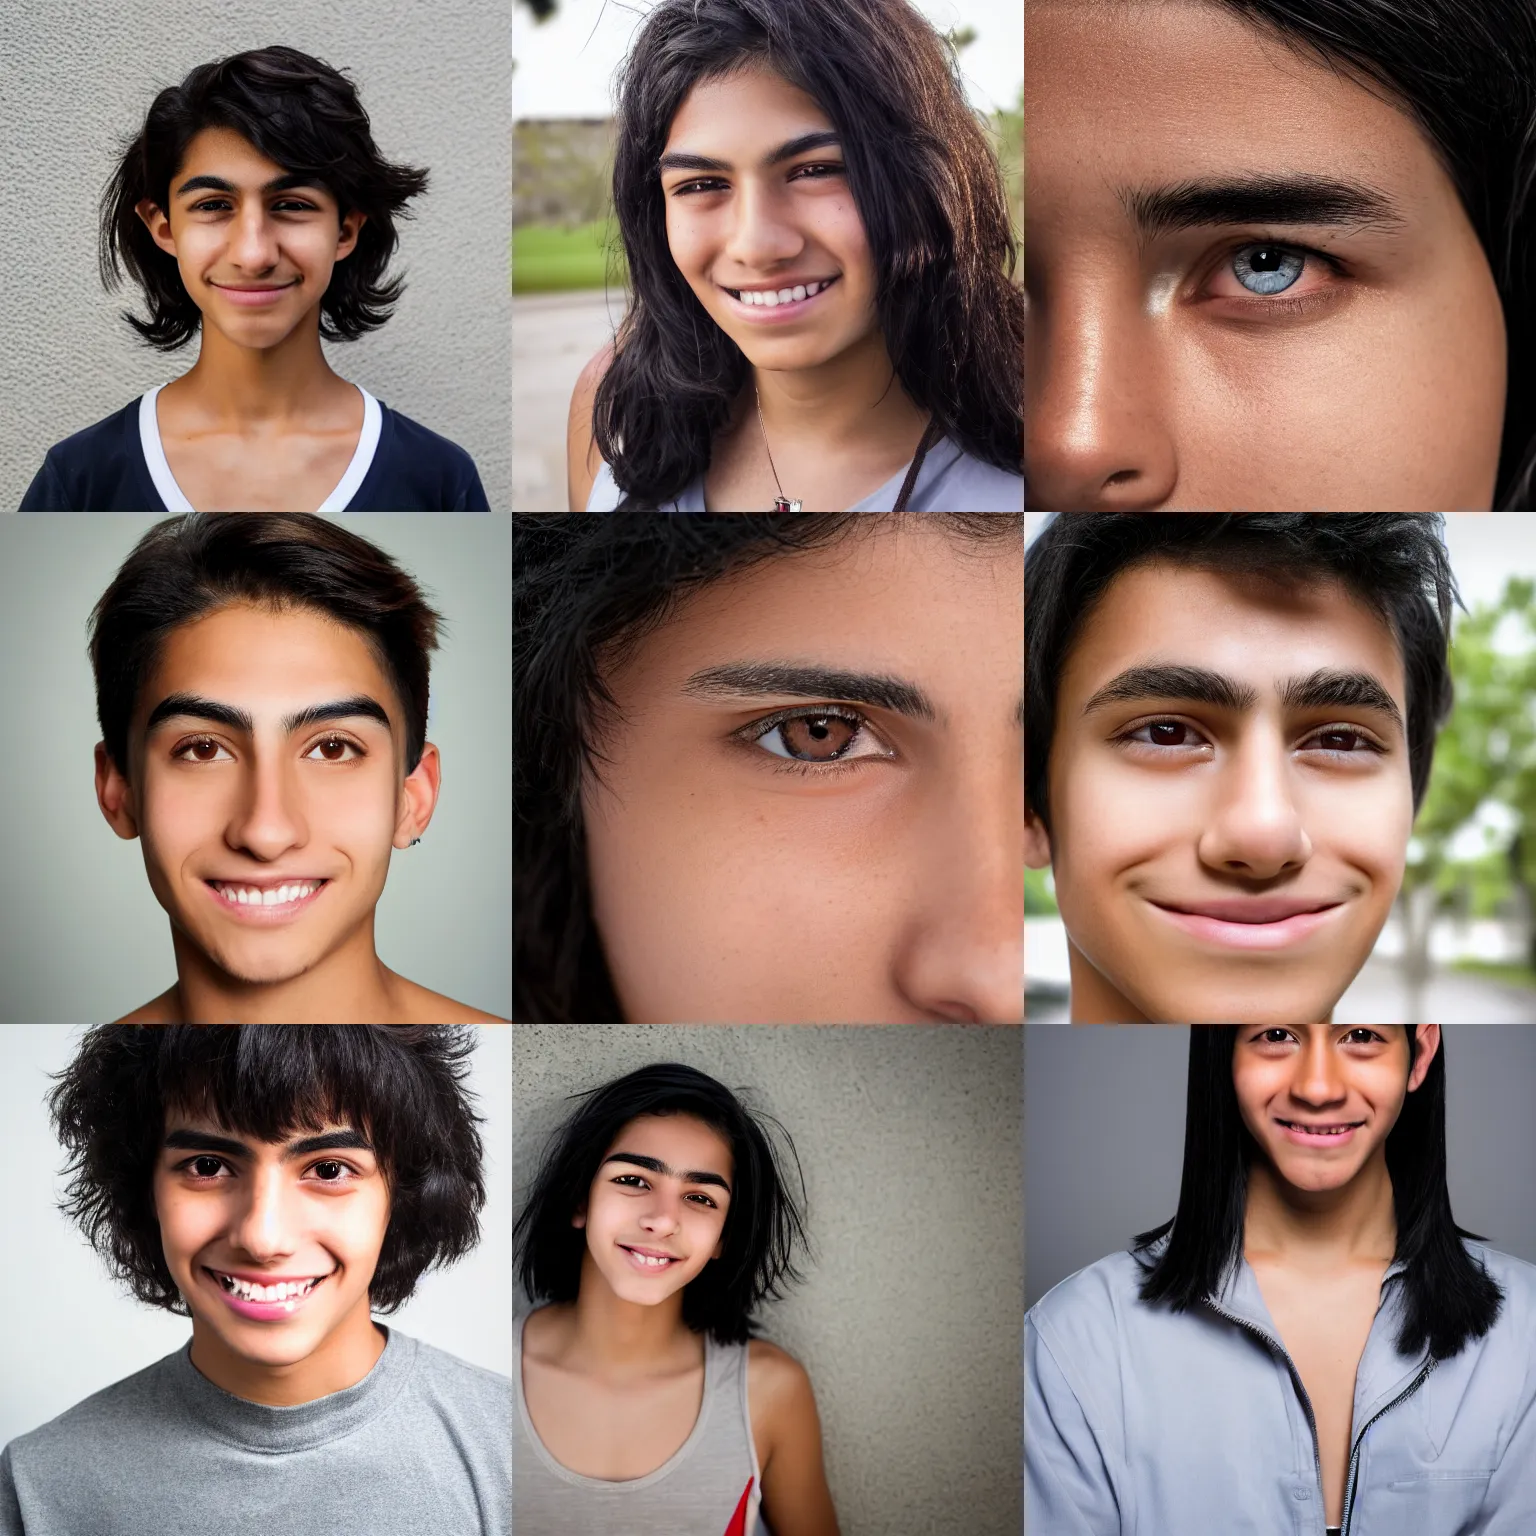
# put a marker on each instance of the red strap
(738, 1525)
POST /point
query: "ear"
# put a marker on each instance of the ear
(579, 1216)
(419, 797)
(115, 796)
(1429, 1043)
(158, 225)
(351, 228)
(1037, 842)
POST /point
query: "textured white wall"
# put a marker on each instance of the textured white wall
(79, 76)
(910, 1317)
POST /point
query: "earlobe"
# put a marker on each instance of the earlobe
(114, 796)
(1037, 843)
(157, 224)
(1428, 1041)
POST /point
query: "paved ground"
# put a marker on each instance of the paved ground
(553, 335)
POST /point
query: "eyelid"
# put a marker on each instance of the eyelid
(754, 731)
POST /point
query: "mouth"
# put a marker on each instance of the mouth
(1256, 927)
(778, 304)
(265, 903)
(276, 1301)
(1309, 1135)
(650, 1260)
(254, 295)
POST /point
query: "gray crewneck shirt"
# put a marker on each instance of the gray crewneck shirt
(421, 1446)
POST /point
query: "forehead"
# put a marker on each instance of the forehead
(680, 1141)
(751, 108)
(223, 152)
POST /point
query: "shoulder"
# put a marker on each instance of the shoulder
(460, 1377)
(415, 465)
(779, 1385)
(158, 1010)
(137, 1403)
(1092, 1305)
(582, 459)
(97, 469)
(1517, 1279)
(963, 483)
(421, 1005)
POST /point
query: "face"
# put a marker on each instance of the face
(267, 794)
(1320, 1099)
(273, 1245)
(1252, 284)
(759, 214)
(255, 244)
(813, 810)
(655, 1212)
(1230, 798)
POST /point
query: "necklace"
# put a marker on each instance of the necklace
(782, 503)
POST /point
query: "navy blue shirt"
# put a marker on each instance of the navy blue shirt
(103, 469)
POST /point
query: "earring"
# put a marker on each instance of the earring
(413, 842)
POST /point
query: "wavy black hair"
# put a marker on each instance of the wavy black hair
(927, 186)
(1448, 1297)
(188, 566)
(1466, 74)
(304, 116)
(764, 1224)
(1394, 562)
(585, 590)
(402, 1086)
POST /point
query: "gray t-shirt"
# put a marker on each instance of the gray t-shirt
(422, 1444)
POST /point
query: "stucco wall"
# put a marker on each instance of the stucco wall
(910, 1318)
(79, 77)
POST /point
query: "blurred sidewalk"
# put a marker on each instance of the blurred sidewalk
(553, 336)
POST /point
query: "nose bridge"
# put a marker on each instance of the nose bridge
(664, 1208)
(759, 232)
(1318, 1075)
(270, 809)
(1257, 822)
(265, 1221)
(253, 237)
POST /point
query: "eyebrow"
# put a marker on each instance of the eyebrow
(176, 705)
(754, 679)
(1322, 689)
(285, 183)
(1260, 200)
(655, 1165)
(676, 160)
(207, 1141)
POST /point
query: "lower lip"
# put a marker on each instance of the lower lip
(774, 314)
(264, 1311)
(1214, 930)
(254, 297)
(252, 912)
(641, 1267)
(1306, 1139)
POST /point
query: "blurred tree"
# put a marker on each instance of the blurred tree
(962, 37)
(1038, 899)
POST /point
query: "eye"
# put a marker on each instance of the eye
(1368, 1037)
(703, 1200)
(338, 1171)
(205, 1166)
(631, 1181)
(332, 749)
(820, 735)
(1344, 741)
(1273, 1037)
(704, 184)
(210, 205)
(1268, 269)
(200, 749)
(816, 172)
(1164, 733)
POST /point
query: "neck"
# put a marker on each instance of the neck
(617, 1337)
(232, 386)
(339, 1361)
(1321, 1229)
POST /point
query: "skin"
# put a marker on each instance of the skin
(1179, 802)
(1320, 1229)
(280, 1213)
(211, 802)
(614, 1381)
(1156, 377)
(838, 423)
(261, 422)
(733, 882)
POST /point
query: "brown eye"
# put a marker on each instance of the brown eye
(200, 751)
(1167, 733)
(817, 738)
(334, 749)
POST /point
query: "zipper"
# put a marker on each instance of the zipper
(1354, 1455)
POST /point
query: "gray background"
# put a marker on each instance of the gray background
(82, 937)
(1104, 1138)
(70, 1330)
(435, 81)
(908, 1320)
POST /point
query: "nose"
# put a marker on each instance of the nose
(662, 1214)
(264, 1226)
(759, 236)
(1096, 437)
(268, 818)
(1318, 1081)
(253, 240)
(1255, 829)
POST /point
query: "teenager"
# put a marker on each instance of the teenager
(277, 1187)
(659, 1222)
(822, 310)
(768, 769)
(1281, 254)
(1231, 723)
(254, 210)
(1311, 1343)
(262, 688)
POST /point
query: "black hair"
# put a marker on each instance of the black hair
(585, 591)
(1394, 562)
(302, 115)
(402, 1086)
(1466, 74)
(1448, 1297)
(189, 566)
(764, 1223)
(925, 181)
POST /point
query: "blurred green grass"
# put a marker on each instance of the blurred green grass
(550, 259)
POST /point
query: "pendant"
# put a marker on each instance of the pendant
(784, 504)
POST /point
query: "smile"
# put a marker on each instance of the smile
(1318, 1135)
(254, 295)
(1248, 934)
(265, 903)
(265, 1302)
(777, 304)
(649, 1260)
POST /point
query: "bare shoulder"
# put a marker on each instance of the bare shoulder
(158, 1010)
(581, 456)
(421, 1005)
(776, 1379)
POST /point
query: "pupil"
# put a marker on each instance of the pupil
(818, 729)
(1266, 261)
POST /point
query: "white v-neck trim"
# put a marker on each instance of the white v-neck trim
(175, 498)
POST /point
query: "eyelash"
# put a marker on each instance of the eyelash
(182, 747)
(1281, 304)
(626, 1178)
(1361, 1030)
(218, 204)
(209, 1157)
(1368, 742)
(708, 183)
(751, 735)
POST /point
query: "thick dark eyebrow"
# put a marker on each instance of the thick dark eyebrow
(1260, 200)
(359, 706)
(755, 679)
(278, 184)
(1323, 689)
(655, 1165)
(207, 1141)
(677, 161)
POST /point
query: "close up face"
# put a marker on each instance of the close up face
(812, 808)
(759, 209)
(655, 1213)
(266, 790)
(256, 245)
(272, 1245)
(1230, 797)
(1252, 282)
(1320, 1099)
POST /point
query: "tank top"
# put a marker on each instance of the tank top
(708, 1487)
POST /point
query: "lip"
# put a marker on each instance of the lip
(263, 1311)
(777, 314)
(1302, 1139)
(253, 296)
(263, 915)
(1258, 925)
(630, 1250)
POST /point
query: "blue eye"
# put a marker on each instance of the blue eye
(1267, 269)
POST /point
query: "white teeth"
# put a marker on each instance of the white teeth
(649, 1261)
(786, 295)
(799, 291)
(248, 896)
(771, 299)
(811, 290)
(287, 1290)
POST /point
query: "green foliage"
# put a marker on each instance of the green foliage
(547, 259)
(1038, 900)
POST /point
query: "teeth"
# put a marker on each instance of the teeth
(287, 1290)
(652, 1263)
(250, 896)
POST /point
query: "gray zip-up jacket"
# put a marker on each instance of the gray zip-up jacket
(1139, 1421)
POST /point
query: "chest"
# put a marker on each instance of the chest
(740, 479)
(220, 472)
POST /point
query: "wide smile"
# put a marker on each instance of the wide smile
(648, 1261)
(1250, 936)
(274, 1303)
(779, 306)
(1319, 1135)
(253, 297)
(265, 904)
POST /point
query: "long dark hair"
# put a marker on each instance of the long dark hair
(1449, 1298)
(926, 184)
(764, 1224)
(1466, 73)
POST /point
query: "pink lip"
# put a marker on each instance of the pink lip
(1255, 931)
(249, 912)
(266, 1311)
(650, 1253)
(252, 296)
(778, 314)
(1303, 1138)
